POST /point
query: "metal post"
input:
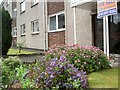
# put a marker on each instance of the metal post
(107, 35)
(104, 34)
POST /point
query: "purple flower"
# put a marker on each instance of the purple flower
(69, 65)
(78, 74)
(51, 76)
(74, 77)
(64, 85)
(52, 63)
(65, 67)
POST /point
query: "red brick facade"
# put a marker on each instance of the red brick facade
(54, 7)
(57, 38)
(14, 22)
(14, 41)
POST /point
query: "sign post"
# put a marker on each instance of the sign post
(106, 8)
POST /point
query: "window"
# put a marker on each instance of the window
(61, 21)
(22, 28)
(34, 2)
(8, 2)
(35, 26)
(14, 32)
(57, 22)
(22, 7)
(53, 23)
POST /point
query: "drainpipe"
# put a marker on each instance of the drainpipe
(74, 10)
(44, 25)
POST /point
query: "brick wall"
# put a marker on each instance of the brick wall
(14, 41)
(57, 38)
(54, 7)
(14, 22)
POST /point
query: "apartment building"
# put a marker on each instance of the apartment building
(43, 24)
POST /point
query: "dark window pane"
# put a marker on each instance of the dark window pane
(61, 21)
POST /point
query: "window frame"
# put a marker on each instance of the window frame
(21, 7)
(56, 15)
(32, 28)
(33, 3)
(15, 28)
(22, 30)
(8, 2)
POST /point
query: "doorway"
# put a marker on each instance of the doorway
(114, 33)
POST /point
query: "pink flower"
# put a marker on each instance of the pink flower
(98, 62)
(78, 60)
(84, 62)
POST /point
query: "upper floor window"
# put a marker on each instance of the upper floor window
(14, 32)
(35, 26)
(8, 2)
(22, 7)
(57, 22)
(22, 28)
(34, 2)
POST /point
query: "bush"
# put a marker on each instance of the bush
(8, 70)
(53, 74)
(89, 59)
(6, 31)
(60, 74)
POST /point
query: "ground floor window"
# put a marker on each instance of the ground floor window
(35, 26)
(57, 22)
(14, 32)
(22, 28)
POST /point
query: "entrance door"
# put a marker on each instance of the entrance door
(97, 31)
(114, 32)
(114, 26)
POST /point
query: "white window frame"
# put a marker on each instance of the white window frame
(34, 2)
(22, 7)
(56, 14)
(14, 33)
(34, 32)
(8, 2)
(22, 30)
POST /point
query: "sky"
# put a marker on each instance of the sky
(0, 1)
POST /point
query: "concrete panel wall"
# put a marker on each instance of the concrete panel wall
(83, 27)
(69, 34)
(32, 40)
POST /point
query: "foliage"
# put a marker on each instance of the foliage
(89, 59)
(20, 46)
(6, 31)
(22, 78)
(26, 74)
(8, 70)
(60, 74)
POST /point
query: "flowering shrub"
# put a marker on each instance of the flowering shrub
(8, 66)
(89, 59)
(60, 74)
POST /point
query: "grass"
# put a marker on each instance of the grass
(16, 52)
(104, 79)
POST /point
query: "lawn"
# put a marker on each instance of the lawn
(16, 52)
(104, 79)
